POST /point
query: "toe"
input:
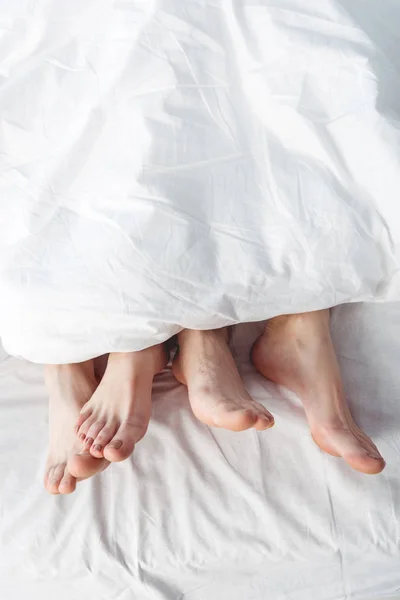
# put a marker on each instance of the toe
(363, 455)
(122, 445)
(103, 438)
(67, 483)
(96, 450)
(224, 414)
(84, 428)
(365, 464)
(235, 418)
(264, 418)
(53, 478)
(241, 416)
(48, 478)
(263, 423)
(353, 446)
(84, 415)
(92, 433)
(83, 466)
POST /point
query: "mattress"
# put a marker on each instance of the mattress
(207, 514)
(197, 163)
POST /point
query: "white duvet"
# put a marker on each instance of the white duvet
(192, 163)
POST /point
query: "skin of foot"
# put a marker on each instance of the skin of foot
(117, 414)
(297, 352)
(69, 388)
(217, 395)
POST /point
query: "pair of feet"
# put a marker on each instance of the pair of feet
(94, 423)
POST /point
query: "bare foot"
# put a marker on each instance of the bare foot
(216, 392)
(297, 352)
(117, 415)
(69, 387)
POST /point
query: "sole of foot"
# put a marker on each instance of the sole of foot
(297, 352)
(69, 387)
(116, 416)
(217, 395)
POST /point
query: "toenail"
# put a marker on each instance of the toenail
(374, 455)
(263, 414)
(89, 441)
(97, 448)
(117, 444)
(82, 437)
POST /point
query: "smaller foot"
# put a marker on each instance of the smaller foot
(118, 413)
(297, 352)
(216, 392)
(69, 387)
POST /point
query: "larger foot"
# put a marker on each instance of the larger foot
(69, 387)
(216, 392)
(117, 415)
(297, 352)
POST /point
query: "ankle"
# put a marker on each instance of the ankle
(195, 335)
(69, 369)
(300, 325)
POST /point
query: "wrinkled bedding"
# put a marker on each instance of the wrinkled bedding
(169, 164)
(207, 514)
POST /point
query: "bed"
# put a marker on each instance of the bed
(206, 514)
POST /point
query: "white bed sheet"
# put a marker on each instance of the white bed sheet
(201, 514)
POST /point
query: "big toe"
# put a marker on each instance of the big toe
(122, 445)
(83, 466)
(240, 419)
(234, 418)
(228, 414)
(365, 463)
(67, 483)
(54, 475)
(264, 418)
(364, 456)
(354, 446)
